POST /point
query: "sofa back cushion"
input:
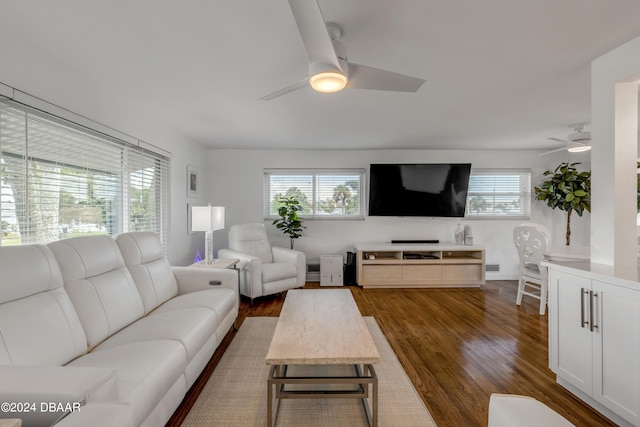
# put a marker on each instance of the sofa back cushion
(251, 239)
(144, 257)
(99, 284)
(38, 323)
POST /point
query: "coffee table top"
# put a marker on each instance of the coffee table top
(321, 327)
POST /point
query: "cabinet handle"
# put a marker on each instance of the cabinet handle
(583, 322)
(593, 295)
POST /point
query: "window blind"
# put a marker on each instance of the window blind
(323, 193)
(60, 180)
(499, 193)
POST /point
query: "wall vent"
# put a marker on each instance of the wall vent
(492, 267)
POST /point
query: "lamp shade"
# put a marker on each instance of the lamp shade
(207, 218)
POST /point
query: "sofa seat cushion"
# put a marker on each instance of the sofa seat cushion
(219, 300)
(146, 370)
(272, 272)
(190, 326)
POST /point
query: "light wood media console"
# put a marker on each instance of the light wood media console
(391, 265)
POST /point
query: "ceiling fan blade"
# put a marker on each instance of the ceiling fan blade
(564, 141)
(554, 151)
(363, 77)
(295, 86)
(313, 31)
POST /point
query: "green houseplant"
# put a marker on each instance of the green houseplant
(566, 189)
(289, 222)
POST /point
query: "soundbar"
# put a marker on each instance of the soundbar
(416, 241)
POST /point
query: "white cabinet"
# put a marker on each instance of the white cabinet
(331, 270)
(594, 340)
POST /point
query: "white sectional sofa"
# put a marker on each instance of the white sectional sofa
(109, 324)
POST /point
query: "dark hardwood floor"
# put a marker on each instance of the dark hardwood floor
(457, 345)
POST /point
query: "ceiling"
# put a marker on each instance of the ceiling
(501, 74)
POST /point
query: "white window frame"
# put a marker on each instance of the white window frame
(315, 175)
(524, 194)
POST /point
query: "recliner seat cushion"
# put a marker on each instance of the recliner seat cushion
(146, 371)
(192, 327)
(219, 300)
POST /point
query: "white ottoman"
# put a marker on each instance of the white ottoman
(509, 410)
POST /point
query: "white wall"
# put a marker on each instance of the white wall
(614, 115)
(237, 184)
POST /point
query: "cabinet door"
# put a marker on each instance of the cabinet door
(570, 340)
(616, 364)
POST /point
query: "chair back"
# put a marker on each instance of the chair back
(251, 238)
(544, 230)
(530, 243)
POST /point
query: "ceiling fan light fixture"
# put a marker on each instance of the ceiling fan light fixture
(328, 81)
(579, 148)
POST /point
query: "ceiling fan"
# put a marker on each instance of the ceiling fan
(329, 69)
(577, 142)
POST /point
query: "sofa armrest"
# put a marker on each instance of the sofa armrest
(198, 278)
(294, 257)
(250, 271)
(40, 395)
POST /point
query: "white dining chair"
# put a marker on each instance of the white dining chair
(540, 228)
(531, 245)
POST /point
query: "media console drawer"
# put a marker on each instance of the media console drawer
(419, 266)
(382, 273)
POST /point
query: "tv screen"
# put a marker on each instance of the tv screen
(432, 190)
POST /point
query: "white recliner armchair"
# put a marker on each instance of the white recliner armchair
(264, 270)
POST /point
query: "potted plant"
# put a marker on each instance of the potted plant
(289, 222)
(566, 189)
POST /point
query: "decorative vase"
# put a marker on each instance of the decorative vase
(459, 235)
(468, 235)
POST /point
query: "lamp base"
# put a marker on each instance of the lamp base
(208, 247)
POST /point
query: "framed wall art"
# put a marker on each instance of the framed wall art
(192, 181)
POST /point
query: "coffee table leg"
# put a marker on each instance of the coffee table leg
(272, 412)
(371, 410)
(374, 398)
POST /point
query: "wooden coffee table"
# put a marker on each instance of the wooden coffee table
(322, 327)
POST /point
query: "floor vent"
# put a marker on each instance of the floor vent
(492, 267)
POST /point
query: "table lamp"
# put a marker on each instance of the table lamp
(208, 219)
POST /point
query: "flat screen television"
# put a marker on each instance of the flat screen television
(428, 189)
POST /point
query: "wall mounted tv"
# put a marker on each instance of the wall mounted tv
(428, 189)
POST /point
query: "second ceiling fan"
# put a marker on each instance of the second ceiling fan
(577, 142)
(329, 69)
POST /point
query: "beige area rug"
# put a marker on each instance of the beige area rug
(236, 393)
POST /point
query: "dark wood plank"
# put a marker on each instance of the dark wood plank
(457, 346)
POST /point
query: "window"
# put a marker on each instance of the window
(499, 193)
(60, 180)
(323, 193)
